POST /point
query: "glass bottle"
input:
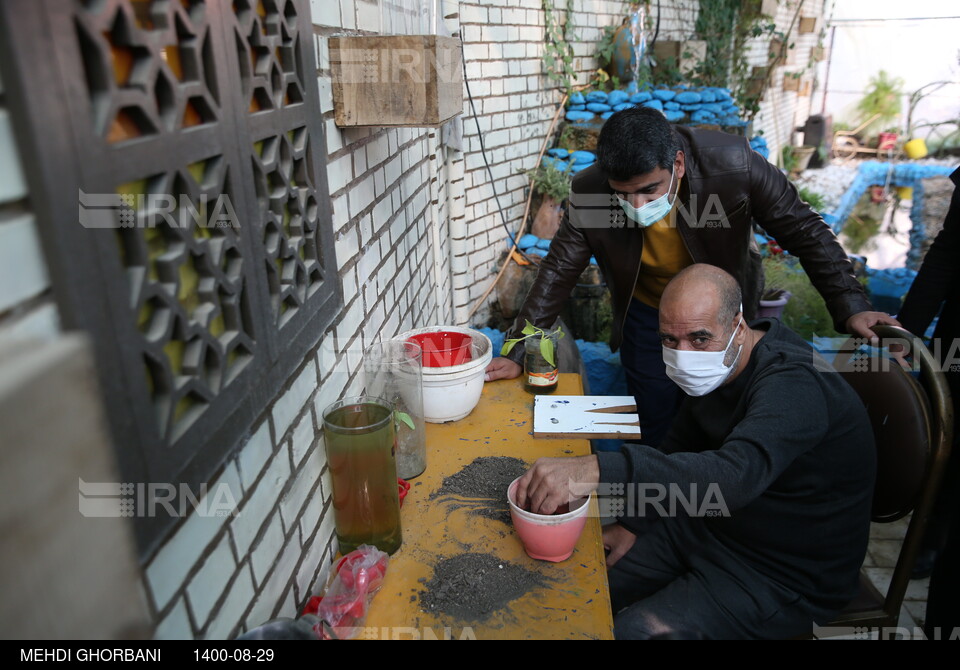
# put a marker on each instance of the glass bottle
(540, 374)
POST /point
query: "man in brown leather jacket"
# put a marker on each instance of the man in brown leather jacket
(657, 200)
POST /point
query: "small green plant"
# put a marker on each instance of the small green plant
(814, 199)
(558, 50)
(551, 182)
(806, 313)
(546, 343)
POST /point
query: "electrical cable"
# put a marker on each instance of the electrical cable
(483, 151)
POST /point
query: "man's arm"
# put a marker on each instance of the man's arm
(787, 415)
(777, 207)
(559, 270)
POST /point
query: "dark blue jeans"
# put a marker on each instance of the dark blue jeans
(641, 355)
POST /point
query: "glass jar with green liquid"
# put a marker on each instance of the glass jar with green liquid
(360, 439)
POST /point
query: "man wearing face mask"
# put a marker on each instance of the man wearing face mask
(659, 199)
(785, 446)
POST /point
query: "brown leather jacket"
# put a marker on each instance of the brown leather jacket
(725, 189)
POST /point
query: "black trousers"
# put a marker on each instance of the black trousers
(679, 581)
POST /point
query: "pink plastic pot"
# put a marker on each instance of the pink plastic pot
(444, 348)
(548, 537)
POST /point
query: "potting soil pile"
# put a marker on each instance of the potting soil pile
(482, 485)
(471, 587)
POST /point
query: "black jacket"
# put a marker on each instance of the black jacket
(937, 285)
(726, 188)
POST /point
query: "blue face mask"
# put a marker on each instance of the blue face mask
(653, 211)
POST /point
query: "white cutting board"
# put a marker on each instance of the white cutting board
(592, 417)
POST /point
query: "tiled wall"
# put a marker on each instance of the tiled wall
(26, 307)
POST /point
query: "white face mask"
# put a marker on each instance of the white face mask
(651, 212)
(700, 372)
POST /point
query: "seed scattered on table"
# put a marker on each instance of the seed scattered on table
(471, 587)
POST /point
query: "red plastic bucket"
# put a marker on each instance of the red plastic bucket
(444, 348)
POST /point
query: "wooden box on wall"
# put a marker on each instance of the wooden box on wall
(684, 56)
(396, 80)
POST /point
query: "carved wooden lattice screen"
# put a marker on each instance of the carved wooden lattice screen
(202, 265)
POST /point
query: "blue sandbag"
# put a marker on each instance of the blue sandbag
(607, 115)
(642, 96)
(664, 94)
(673, 116)
(688, 97)
(691, 106)
(617, 98)
(632, 87)
(713, 107)
(703, 117)
(581, 157)
(598, 107)
(654, 104)
(577, 108)
(535, 251)
(708, 95)
(528, 241)
(578, 168)
(579, 116)
(577, 99)
(558, 152)
(623, 106)
(597, 96)
(555, 163)
(543, 244)
(671, 105)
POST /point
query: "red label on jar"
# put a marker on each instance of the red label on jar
(543, 378)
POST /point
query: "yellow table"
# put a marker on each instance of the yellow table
(576, 602)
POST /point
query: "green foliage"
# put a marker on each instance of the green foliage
(814, 199)
(805, 313)
(551, 182)
(789, 158)
(546, 342)
(882, 97)
(558, 50)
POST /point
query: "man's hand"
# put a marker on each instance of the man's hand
(502, 368)
(617, 540)
(552, 482)
(861, 323)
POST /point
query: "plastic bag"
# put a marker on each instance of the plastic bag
(343, 608)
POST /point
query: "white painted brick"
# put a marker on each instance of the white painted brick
(255, 455)
(273, 590)
(166, 572)
(349, 285)
(473, 14)
(41, 323)
(264, 555)
(325, 13)
(361, 196)
(347, 246)
(239, 596)
(326, 94)
(303, 439)
(259, 504)
(341, 211)
(339, 173)
(366, 231)
(299, 493)
(334, 138)
(176, 625)
(209, 583)
(326, 485)
(13, 185)
(350, 322)
(316, 461)
(348, 13)
(379, 182)
(368, 15)
(313, 554)
(289, 405)
(23, 271)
